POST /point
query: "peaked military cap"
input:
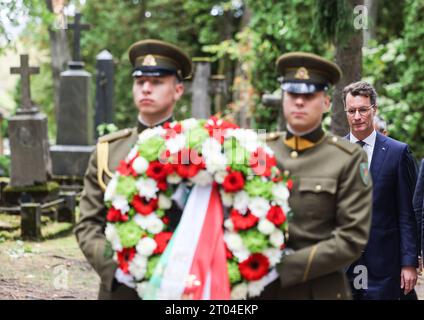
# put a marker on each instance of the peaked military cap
(157, 58)
(304, 72)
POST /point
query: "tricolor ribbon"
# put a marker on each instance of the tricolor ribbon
(194, 264)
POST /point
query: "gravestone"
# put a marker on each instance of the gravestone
(202, 87)
(31, 221)
(104, 89)
(75, 130)
(29, 146)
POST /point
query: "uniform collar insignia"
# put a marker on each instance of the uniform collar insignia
(300, 143)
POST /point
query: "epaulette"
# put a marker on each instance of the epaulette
(103, 154)
(115, 135)
(343, 144)
(273, 136)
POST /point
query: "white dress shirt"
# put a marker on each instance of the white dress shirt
(368, 146)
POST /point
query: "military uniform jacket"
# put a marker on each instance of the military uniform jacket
(331, 201)
(90, 228)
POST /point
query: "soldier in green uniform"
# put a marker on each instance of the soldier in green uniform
(332, 190)
(159, 69)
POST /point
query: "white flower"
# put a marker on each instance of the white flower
(273, 255)
(151, 223)
(242, 254)
(227, 198)
(140, 165)
(188, 124)
(211, 146)
(138, 266)
(276, 238)
(150, 133)
(247, 138)
(176, 143)
(146, 246)
(239, 292)
(173, 178)
(266, 227)
(256, 287)
(147, 188)
(132, 153)
(111, 189)
(202, 178)
(259, 206)
(216, 162)
(164, 202)
(280, 193)
(241, 201)
(141, 288)
(228, 224)
(121, 203)
(113, 237)
(268, 150)
(234, 241)
(220, 176)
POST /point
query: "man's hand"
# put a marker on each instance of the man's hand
(408, 279)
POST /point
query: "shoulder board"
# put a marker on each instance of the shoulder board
(343, 144)
(273, 136)
(115, 135)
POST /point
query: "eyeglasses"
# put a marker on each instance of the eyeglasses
(363, 111)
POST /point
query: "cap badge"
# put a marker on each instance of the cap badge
(149, 60)
(302, 73)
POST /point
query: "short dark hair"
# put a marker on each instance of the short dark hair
(360, 88)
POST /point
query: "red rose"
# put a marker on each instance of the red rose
(165, 219)
(126, 169)
(188, 163)
(254, 267)
(242, 222)
(233, 182)
(261, 163)
(145, 208)
(114, 215)
(124, 257)
(172, 132)
(162, 240)
(162, 185)
(276, 215)
(289, 184)
(156, 171)
(217, 127)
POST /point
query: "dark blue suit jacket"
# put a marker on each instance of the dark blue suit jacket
(418, 204)
(393, 238)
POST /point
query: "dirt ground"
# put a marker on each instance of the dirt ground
(53, 269)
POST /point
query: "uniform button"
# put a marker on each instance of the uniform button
(339, 296)
(318, 187)
(294, 154)
(334, 139)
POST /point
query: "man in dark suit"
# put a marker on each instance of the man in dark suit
(418, 204)
(391, 255)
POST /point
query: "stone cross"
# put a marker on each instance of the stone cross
(25, 71)
(202, 87)
(77, 27)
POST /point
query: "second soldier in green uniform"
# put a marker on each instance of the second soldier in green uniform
(331, 195)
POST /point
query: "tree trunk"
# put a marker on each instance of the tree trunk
(349, 59)
(370, 32)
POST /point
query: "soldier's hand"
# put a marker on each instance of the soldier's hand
(408, 279)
